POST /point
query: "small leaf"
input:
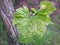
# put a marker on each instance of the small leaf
(34, 10)
(23, 11)
(46, 8)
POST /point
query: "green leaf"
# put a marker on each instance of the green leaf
(29, 27)
(23, 11)
(46, 8)
(34, 10)
(32, 28)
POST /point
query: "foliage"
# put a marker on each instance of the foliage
(3, 40)
(32, 28)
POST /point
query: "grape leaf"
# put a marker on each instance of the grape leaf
(46, 8)
(33, 27)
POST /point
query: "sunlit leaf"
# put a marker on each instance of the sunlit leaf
(32, 28)
(46, 8)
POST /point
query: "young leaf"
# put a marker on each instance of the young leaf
(23, 11)
(46, 8)
(32, 28)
